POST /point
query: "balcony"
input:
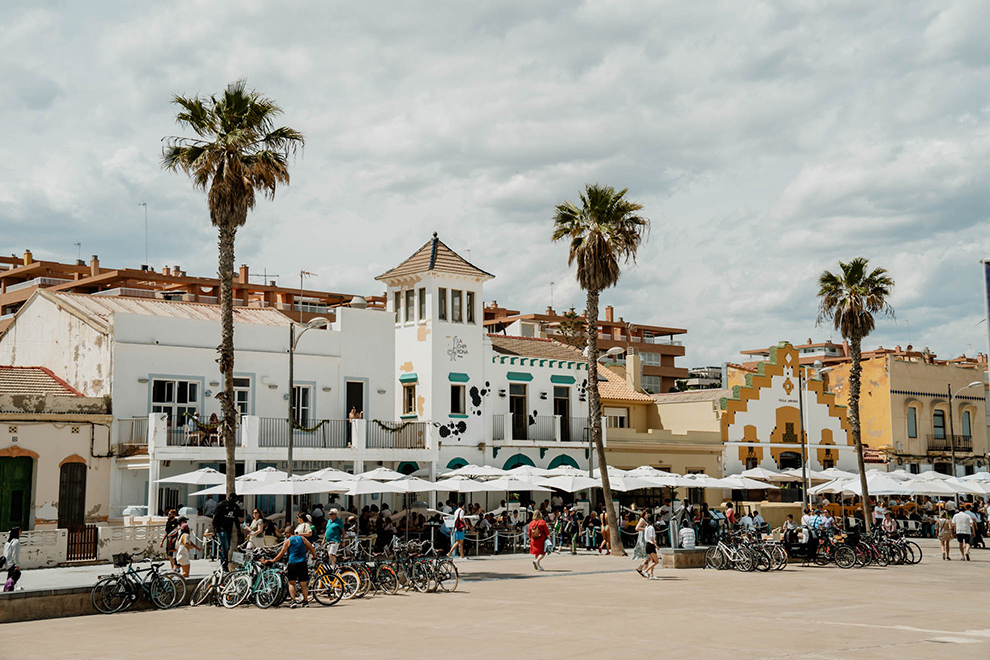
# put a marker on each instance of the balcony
(943, 442)
(539, 428)
(38, 282)
(321, 434)
(395, 435)
(132, 436)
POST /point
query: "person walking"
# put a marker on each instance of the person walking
(962, 525)
(11, 559)
(647, 536)
(639, 551)
(171, 536)
(458, 532)
(943, 531)
(185, 543)
(538, 535)
(334, 535)
(256, 531)
(606, 544)
(227, 513)
(297, 547)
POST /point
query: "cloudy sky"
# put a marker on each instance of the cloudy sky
(766, 141)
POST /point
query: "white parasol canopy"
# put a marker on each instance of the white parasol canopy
(966, 487)
(834, 486)
(977, 476)
(264, 474)
(572, 484)
(506, 484)
(836, 473)
(624, 484)
(414, 485)
(566, 471)
(295, 485)
(529, 471)
(201, 477)
(878, 484)
(763, 474)
(381, 474)
(931, 488)
(369, 487)
(739, 482)
(460, 485)
(242, 487)
(813, 475)
(649, 471)
(331, 474)
(470, 470)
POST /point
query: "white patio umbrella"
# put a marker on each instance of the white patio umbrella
(572, 484)
(964, 487)
(414, 485)
(201, 477)
(649, 471)
(836, 473)
(624, 484)
(264, 474)
(241, 487)
(368, 487)
(901, 475)
(763, 474)
(381, 474)
(475, 471)
(669, 480)
(294, 485)
(567, 471)
(834, 486)
(878, 484)
(460, 485)
(612, 472)
(813, 475)
(932, 475)
(739, 482)
(507, 484)
(331, 474)
(931, 488)
(977, 476)
(529, 471)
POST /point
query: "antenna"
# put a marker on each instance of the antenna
(302, 274)
(78, 250)
(145, 205)
(551, 294)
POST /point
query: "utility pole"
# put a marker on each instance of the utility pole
(145, 205)
(302, 274)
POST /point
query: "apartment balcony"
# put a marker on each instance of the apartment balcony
(539, 428)
(944, 442)
(37, 282)
(132, 436)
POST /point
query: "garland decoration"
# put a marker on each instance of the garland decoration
(299, 427)
(393, 428)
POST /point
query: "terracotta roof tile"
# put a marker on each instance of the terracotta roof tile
(33, 381)
(435, 256)
(692, 395)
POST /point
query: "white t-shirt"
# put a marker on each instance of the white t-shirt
(687, 537)
(650, 534)
(746, 521)
(963, 522)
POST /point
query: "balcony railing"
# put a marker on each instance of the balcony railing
(404, 436)
(327, 434)
(185, 436)
(946, 442)
(38, 281)
(576, 431)
(536, 428)
(129, 292)
(132, 436)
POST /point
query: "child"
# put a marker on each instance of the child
(13, 575)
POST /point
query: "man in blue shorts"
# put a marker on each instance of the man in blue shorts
(297, 548)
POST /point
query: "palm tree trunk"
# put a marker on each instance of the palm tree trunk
(595, 421)
(228, 423)
(855, 350)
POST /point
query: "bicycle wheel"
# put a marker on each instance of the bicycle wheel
(108, 595)
(714, 558)
(762, 559)
(387, 580)
(882, 556)
(845, 557)
(267, 586)
(352, 583)
(744, 561)
(365, 575)
(161, 592)
(780, 557)
(326, 588)
(179, 582)
(236, 591)
(823, 557)
(420, 577)
(915, 551)
(202, 592)
(447, 576)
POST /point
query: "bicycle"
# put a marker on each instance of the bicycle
(115, 593)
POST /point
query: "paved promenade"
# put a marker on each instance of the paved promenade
(581, 607)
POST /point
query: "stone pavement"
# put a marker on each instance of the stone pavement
(584, 606)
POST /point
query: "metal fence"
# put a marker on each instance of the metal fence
(578, 430)
(325, 433)
(947, 442)
(183, 436)
(498, 427)
(132, 436)
(406, 436)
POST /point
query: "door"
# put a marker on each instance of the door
(354, 396)
(517, 408)
(562, 407)
(15, 492)
(72, 495)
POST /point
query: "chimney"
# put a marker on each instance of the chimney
(176, 270)
(634, 371)
(609, 313)
(28, 258)
(550, 311)
(243, 274)
(166, 271)
(897, 348)
(94, 266)
(271, 282)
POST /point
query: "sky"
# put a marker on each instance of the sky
(766, 141)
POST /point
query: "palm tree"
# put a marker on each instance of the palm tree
(237, 152)
(850, 299)
(603, 230)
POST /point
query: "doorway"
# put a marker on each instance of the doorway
(354, 397)
(15, 492)
(72, 495)
(517, 409)
(562, 407)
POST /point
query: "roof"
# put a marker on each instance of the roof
(33, 381)
(692, 395)
(436, 257)
(97, 310)
(611, 386)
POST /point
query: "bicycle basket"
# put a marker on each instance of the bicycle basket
(121, 560)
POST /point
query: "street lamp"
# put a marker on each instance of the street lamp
(804, 444)
(952, 436)
(318, 322)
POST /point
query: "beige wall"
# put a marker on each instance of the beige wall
(51, 440)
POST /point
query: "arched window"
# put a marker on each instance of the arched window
(938, 425)
(967, 424)
(912, 422)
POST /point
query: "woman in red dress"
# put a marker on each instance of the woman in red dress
(538, 535)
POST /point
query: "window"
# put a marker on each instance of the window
(409, 399)
(422, 304)
(912, 422)
(302, 403)
(650, 358)
(442, 304)
(470, 306)
(455, 307)
(457, 400)
(617, 418)
(176, 398)
(242, 395)
(398, 307)
(652, 383)
(410, 305)
(938, 424)
(966, 425)
(914, 468)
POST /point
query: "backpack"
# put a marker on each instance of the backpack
(535, 533)
(459, 524)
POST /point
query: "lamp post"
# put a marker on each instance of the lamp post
(318, 322)
(804, 444)
(952, 435)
